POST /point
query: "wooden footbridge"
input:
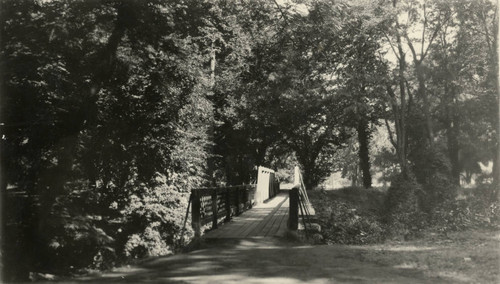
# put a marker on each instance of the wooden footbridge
(263, 220)
(250, 211)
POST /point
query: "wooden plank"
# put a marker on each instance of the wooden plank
(272, 222)
(259, 215)
(283, 227)
(228, 228)
(251, 221)
(242, 223)
(279, 215)
(263, 223)
(231, 229)
(268, 216)
(222, 230)
(277, 203)
(283, 213)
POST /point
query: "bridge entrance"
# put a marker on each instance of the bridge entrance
(263, 220)
(249, 211)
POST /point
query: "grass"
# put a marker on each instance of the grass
(469, 256)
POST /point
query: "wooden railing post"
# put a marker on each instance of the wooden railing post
(215, 208)
(200, 198)
(248, 190)
(271, 183)
(293, 216)
(196, 218)
(238, 193)
(227, 204)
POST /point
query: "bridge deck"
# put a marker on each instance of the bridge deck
(264, 220)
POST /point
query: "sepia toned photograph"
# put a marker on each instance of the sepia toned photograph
(249, 141)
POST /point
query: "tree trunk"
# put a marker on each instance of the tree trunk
(211, 163)
(400, 112)
(453, 154)
(364, 157)
(402, 138)
(426, 105)
(452, 132)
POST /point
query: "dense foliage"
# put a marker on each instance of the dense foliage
(104, 111)
(359, 216)
(350, 215)
(113, 110)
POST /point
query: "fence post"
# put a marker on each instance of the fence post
(259, 186)
(271, 183)
(238, 193)
(248, 190)
(215, 208)
(196, 218)
(227, 204)
(293, 216)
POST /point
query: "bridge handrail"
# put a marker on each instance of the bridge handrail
(207, 203)
(299, 201)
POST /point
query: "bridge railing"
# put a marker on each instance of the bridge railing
(268, 185)
(211, 204)
(299, 202)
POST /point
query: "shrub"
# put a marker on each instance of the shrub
(432, 170)
(154, 220)
(477, 208)
(343, 224)
(403, 216)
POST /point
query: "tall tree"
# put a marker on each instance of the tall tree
(362, 78)
(412, 27)
(461, 77)
(101, 102)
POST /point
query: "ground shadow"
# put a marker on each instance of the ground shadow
(262, 261)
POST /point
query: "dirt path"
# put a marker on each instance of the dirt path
(271, 261)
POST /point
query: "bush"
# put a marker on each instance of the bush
(154, 221)
(475, 208)
(341, 223)
(432, 170)
(403, 216)
(440, 191)
(357, 216)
